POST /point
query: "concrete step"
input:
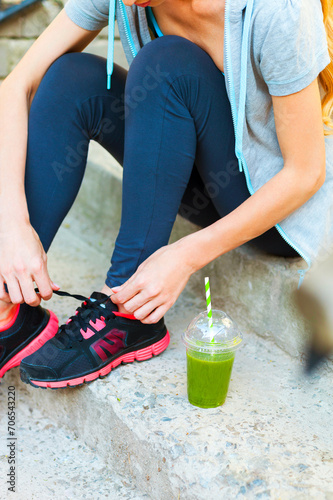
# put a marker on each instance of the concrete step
(257, 290)
(51, 462)
(19, 32)
(272, 439)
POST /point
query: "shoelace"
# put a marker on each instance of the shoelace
(90, 309)
(59, 292)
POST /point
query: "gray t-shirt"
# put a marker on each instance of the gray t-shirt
(287, 49)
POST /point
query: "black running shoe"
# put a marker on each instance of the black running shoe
(93, 342)
(30, 328)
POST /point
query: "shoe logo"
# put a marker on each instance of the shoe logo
(110, 344)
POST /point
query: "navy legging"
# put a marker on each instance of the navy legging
(167, 121)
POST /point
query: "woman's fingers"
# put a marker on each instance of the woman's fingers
(29, 295)
(23, 290)
(4, 295)
(125, 292)
(14, 290)
(44, 284)
(147, 295)
(42, 279)
(23, 261)
(156, 315)
(155, 286)
(114, 295)
(144, 311)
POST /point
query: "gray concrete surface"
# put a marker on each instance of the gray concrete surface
(273, 438)
(19, 32)
(52, 463)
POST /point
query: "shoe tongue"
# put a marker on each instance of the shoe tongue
(102, 297)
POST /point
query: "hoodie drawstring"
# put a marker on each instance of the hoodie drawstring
(111, 32)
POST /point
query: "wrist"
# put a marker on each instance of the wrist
(200, 248)
(18, 217)
(13, 209)
(192, 253)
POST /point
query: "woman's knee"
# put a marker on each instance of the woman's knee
(166, 58)
(72, 76)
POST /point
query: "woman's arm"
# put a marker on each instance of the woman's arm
(16, 94)
(161, 278)
(22, 257)
(299, 128)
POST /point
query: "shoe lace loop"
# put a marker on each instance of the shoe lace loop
(89, 310)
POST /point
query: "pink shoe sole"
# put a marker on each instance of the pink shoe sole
(49, 331)
(140, 355)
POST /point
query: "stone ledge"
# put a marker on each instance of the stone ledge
(18, 33)
(33, 20)
(30, 22)
(51, 460)
(271, 439)
(12, 51)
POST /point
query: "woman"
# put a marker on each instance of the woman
(220, 119)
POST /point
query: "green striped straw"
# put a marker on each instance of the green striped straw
(209, 303)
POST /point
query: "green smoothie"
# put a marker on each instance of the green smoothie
(208, 377)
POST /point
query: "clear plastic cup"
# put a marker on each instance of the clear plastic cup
(209, 363)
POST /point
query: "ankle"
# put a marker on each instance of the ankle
(5, 307)
(7, 312)
(107, 290)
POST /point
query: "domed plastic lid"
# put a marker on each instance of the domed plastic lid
(223, 336)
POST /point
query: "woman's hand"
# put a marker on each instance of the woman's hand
(22, 262)
(156, 285)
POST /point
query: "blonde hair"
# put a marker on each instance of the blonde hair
(326, 76)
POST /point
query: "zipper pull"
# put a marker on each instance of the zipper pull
(240, 164)
(301, 277)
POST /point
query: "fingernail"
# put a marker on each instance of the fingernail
(115, 289)
(55, 284)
